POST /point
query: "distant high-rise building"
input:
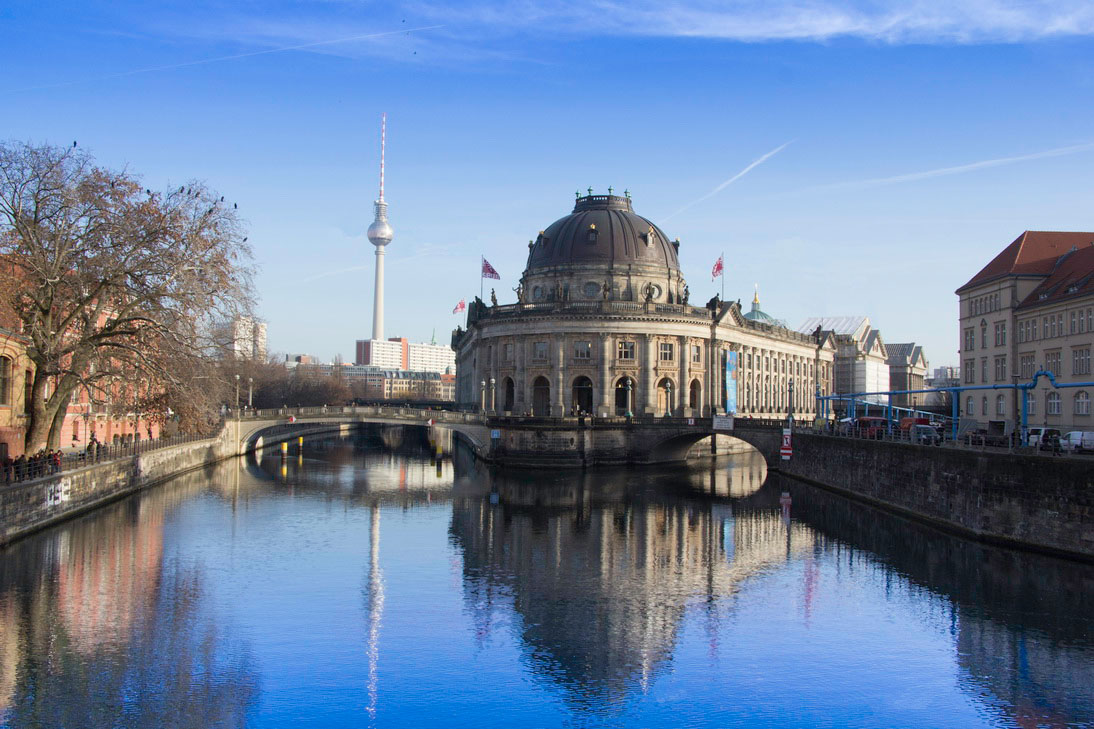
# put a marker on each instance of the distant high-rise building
(400, 354)
(248, 338)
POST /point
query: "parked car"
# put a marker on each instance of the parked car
(925, 435)
(1038, 434)
(1078, 441)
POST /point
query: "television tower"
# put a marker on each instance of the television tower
(380, 234)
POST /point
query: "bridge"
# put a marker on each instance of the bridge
(527, 441)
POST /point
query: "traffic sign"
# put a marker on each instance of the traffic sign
(786, 451)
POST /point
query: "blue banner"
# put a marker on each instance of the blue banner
(731, 382)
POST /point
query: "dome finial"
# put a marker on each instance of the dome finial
(756, 298)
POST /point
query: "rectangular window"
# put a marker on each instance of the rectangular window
(539, 350)
(583, 350)
(970, 371)
(625, 350)
(5, 381)
(984, 370)
(1060, 324)
(696, 353)
(509, 352)
(1052, 362)
(1026, 365)
(1074, 323)
(1080, 361)
(1031, 402)
(1000, 369)
(667, 352)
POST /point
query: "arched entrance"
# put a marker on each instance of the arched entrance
(541, 396)
(582, 395)
(695, 397)
(666, 396)
(508, 397)
(624, 396)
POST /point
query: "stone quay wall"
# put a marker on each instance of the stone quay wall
(1031, 501)
(28, 506)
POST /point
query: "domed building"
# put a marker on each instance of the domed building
(603, 325)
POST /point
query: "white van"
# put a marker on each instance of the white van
(1038, 434)
(1077, 441)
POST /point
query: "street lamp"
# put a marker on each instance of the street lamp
(668, 399)
(627, 388)
(482, 396)
(237, 393)
(790, 401)
(493, 395)
(250, 393)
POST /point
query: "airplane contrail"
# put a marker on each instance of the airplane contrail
(731, 180)
(942, 171)
(233, 57)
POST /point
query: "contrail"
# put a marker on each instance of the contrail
(940, 172)
(229, 58)
(731, 180)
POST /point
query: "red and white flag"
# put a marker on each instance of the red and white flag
(460, 307)
(488, 270)
(718, 268)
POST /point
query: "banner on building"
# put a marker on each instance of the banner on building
(731, 382)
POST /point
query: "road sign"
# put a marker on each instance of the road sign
(786, 451)
(723, 422)
(429, 422)
(495, 435)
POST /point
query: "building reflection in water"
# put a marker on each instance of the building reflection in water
(96, 631)
(599, 567)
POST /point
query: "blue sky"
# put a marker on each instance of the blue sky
(914, 142)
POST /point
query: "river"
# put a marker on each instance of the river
(356, 584)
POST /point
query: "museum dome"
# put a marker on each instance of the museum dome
(602, 229)
(758, 315)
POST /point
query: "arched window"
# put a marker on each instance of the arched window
(507, 398)
(1082, 403)
(541, 397)
(624, 396)
(1052, 403)
(5, 381)
(695, 398)
(581, 395)
(1000, 405)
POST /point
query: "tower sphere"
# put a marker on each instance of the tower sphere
(380, 232)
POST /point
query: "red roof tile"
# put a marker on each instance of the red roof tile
(1072, 277)
(1035, 252)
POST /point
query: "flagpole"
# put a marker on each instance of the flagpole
(482, 260)
(723, 260)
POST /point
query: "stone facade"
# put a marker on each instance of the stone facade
(1031, 308)
(603, 326)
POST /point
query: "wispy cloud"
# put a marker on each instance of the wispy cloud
(755, 163)
(890, 21)
(956, 170)
(310, 46)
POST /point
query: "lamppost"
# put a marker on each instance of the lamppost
(237, 395)
(250, 393)
(668, 399)
(627, 388)
(790, 402)
(493, 395)
(482, 396)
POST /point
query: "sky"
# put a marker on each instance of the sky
(846, 157)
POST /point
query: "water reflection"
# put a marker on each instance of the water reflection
(600, 567)
(95, 630)
(1022, 622)
(654, 597)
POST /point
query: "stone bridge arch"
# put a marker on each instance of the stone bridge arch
(674, 446)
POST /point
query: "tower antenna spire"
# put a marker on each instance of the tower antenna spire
(383, 144)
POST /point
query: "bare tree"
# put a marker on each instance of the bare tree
(118, 287)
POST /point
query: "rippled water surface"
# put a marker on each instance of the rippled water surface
(352, 585)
